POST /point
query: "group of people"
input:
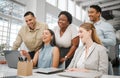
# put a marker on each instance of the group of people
(51, 48)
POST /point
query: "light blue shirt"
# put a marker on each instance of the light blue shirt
(45, 57)
(106, 33)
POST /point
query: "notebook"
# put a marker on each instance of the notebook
(81, 74)
(11, 57)
(49, 70)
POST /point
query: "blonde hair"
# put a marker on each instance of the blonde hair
(94, 36)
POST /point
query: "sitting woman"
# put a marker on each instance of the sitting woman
(48, 55)
(93, 55)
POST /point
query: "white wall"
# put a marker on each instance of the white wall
(36, 6)
(30, 5)
(40, 8)
(55, 11)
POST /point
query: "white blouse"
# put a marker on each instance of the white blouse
(65, 40)
(80, 63)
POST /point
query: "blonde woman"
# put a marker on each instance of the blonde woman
(93, 55)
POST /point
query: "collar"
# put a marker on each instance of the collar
(91, 49)
(37, 27)
(97, 23)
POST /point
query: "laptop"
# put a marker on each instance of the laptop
(11, 57)
(81, 74)
(49, 70)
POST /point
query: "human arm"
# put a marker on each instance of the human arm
(74, 42)
(35, 59)
(77, 70)
(103, 60)
(26, 54)
(73, 63)
(17, 42)
(56, 57)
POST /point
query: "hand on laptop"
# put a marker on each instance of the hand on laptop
(2, 62)
(77, 70)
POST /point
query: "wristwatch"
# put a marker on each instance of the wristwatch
(66, 57)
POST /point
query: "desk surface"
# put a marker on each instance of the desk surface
(6, 71)
(110, 76)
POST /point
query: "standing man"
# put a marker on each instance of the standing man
(30, 34)
(105, 30)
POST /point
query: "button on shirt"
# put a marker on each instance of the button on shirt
(31, 38)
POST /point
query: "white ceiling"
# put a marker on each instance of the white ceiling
(106, 5)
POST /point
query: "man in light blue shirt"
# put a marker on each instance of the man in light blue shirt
(104, 30)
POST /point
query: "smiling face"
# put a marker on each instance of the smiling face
(63, 21)
(93, 15)
(47, 37)
(30, 21)
(84, 35)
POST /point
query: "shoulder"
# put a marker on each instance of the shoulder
(55, 48)
(23, 28)
(55, 51)
(42, 24)
(106, 25)
(56, 28)
(72, 27)
(73, 30)
(105, 22)
(100, 47)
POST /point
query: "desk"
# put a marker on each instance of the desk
(6, 71)
(110, 76)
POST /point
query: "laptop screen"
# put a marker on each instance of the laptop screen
(11, 57)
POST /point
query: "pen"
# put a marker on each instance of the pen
(25, 58)
(20, 58)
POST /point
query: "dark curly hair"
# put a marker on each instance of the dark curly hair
(67, 14)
